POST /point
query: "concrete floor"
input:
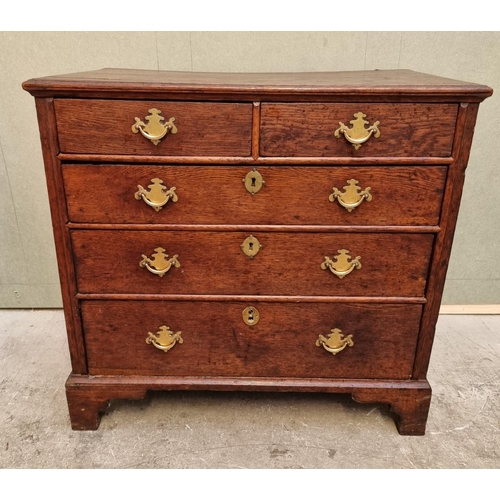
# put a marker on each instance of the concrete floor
(247, 430)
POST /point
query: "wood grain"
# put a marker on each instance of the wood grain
(89, 396)
(442, 249)
(257, 228)
(55, 187)
(255, 130)
(393, 85)
(405, 129)
(86, 402)
(253, 162)
(291, 195)
(253, 298)
(204, 129)
(281, 344)
(410, 405)
(288, 263)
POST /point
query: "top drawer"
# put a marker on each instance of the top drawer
(105, 127)
(406, 130)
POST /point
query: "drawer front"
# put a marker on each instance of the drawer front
(105, 127)
(283, 343)
(287, 264)
(406, 130)
(290, 195)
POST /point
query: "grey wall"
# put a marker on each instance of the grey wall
(28, 273)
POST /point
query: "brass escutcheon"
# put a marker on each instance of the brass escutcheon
(253, 181)
(251, 246)
(155, 129)
(158, 194)
(352, 196)
(164, 339)
(159, 263)
(343, 264)
(335, 342)
(358, 134)
(250, 315)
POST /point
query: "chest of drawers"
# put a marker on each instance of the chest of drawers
(264, 232)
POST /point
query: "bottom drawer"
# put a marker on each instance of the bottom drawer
(285, 340)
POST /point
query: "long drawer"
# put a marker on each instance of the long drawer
(288, 340)
(109, 261)
(402, 129)
(288, 195)
(105, 127)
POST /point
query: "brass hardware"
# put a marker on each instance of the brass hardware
(251, 246)
(164, 339)
(358, 134)
(250, 315)
(335, 341)
(352, 196)
(159, 263)
(253, 181)
(158, 194)
(155, 130)
(343, 263)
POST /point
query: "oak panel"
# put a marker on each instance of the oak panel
(290, 196)
(288, 263)
(304, 129)
(104, 126)
(281, 344)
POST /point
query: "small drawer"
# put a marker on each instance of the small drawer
(288, 340)
(201, 129)
(276, 263)
(404, 130)
(377, 196)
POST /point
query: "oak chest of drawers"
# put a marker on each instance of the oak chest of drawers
(277, 232)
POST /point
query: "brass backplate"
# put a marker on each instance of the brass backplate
(358, 134)
(250, 315)
(251, 246)
(253, 181)
(335, 342)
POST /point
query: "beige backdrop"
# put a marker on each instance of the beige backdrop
(28, 272)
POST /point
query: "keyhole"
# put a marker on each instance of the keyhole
(250, 246)
(250, 317)
(253, 182)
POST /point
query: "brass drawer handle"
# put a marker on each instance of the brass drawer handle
(159, 263)
(155, 130)
(158, 194)
(352, 196)
(164, 339)
(335, 342)
(343, 264)
(358, 134)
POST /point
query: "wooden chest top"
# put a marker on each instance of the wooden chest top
(377, 85)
